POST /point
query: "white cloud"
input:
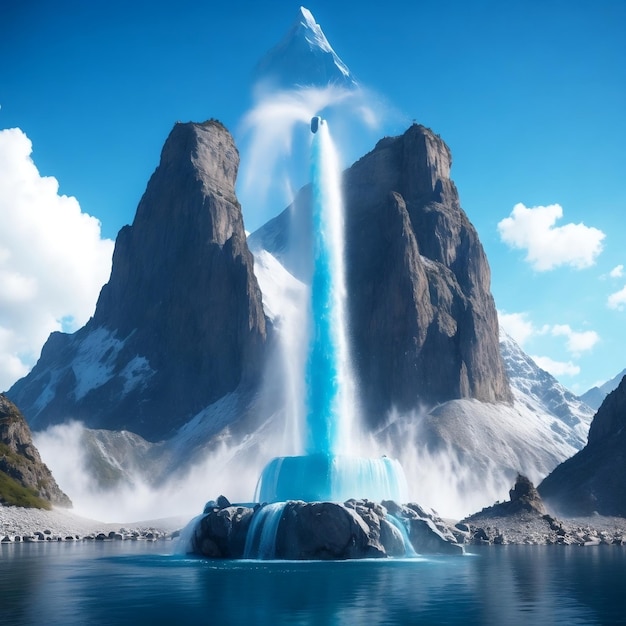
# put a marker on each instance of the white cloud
(52, 259)
(577, 342)
(617, 300)
(517, 325)
(617, 271)
(556, 368)
(548, 246)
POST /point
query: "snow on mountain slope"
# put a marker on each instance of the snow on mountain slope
(540, 392)
(464, 454)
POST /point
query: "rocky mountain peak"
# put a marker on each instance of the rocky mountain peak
(423, 322)
(610, 420)
(180, 322)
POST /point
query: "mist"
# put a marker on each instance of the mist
(274, 136)
(228, 469)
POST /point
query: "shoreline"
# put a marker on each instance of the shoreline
(18, 524)
(537, 529)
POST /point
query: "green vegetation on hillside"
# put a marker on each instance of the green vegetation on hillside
(14, 494)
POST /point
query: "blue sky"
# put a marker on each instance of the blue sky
(530, 96)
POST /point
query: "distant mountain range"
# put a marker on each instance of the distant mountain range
(595, 396)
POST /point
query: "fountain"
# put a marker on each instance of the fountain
(328, 471)
(327, 503)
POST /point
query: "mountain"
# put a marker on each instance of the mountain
(595, 396)
(24, 479)
(304, 58)
(422, 319)
(180, 322)
(592, 481)
(540, 392)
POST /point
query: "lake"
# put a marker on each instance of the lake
(139, 582)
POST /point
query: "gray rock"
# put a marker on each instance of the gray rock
(428, 539)
(524, 499)
(324, 530)
(221, 533)
(222, 502)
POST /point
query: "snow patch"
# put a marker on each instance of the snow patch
(282, 292)
(136, 373)
(94, 363)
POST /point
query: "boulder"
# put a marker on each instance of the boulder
(324, 530)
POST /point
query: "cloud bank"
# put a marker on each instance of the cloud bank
(548, 246)
(53, 261)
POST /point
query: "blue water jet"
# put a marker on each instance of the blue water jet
(328, 471)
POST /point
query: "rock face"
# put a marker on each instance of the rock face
(298, 530)
(24, 479)
(593, 479)
(423, 322)
(180, 322)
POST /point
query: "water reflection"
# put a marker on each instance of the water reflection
(134, 583)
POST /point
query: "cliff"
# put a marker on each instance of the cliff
(180, 322)
(423, 322)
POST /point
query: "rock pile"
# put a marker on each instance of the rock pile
(533, 529)
(123, 534)
(299, 530)
(524, 520)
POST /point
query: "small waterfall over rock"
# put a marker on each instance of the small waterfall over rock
(261, 538)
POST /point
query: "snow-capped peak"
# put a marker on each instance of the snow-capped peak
(304, 58)
(313, 32)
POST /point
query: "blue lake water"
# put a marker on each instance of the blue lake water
(141, 583)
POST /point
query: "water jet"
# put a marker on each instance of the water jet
(328, 471)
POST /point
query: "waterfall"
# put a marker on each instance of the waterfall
(261, 537)
(409, 550)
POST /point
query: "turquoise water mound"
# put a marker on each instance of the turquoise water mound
(331, 478)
